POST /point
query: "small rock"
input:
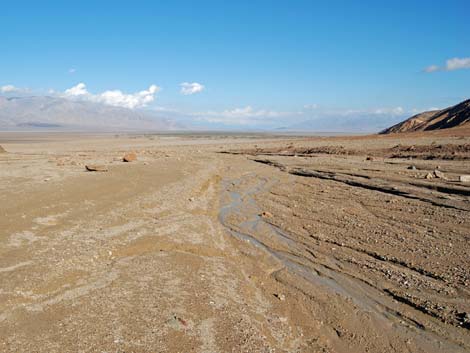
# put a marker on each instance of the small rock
(412, 167)
(439, 174)
(266, 214)
(191, 199)
(96, 168)
(176, 321)
(281, 297)
(129, 157)
(369, 158)
(2, 150)
(429, 176)
(464, 178)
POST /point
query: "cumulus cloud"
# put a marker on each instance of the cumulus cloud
(114, 97)
(78, 90)
(9, 89)
(458, 63)
(188, 88)
(451, 65)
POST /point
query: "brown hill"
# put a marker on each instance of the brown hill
(455, 116)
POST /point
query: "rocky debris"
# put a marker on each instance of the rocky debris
(96, 168)
(464, 178)
(412, 167)
(295, 151)
(430, 152)
(429, 176)
(129, 157)
(2, 150)
(439, 174)
(464, 319)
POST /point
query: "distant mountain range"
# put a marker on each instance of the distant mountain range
(452, 117)
(46, 112)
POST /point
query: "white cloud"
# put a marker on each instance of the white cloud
(394, 111)
(78, 90)
(114, 97)
(432, 68)
(242, 116)
(451, 65)
(389, 111)
(9, 89)
(458, 64)
(191, 88)
(246, 112)
(72, 70)
(249, 116)
(310, 106)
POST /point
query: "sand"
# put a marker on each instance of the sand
(234, 243)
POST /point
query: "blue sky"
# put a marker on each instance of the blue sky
(265, 63)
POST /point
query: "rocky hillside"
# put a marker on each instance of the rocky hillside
(452, 117)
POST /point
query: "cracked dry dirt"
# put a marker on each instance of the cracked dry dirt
(257, 250)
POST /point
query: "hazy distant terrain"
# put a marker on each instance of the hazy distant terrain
(46, 112)
(355, 123)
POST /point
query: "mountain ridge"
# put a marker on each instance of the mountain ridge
(452, 117)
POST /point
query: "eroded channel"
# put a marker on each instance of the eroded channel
(241, 216)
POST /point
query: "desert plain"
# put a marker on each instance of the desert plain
(235, 243)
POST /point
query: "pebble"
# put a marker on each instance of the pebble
(266, 214)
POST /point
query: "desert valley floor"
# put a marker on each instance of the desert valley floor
(235, 243)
